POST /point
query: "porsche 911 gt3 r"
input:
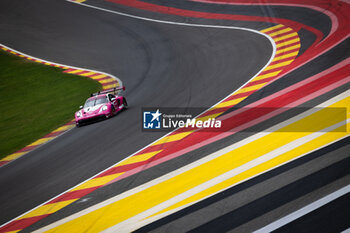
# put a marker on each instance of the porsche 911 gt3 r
(101, 105)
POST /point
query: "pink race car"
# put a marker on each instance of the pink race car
(101, 105)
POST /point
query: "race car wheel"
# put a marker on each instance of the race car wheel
(77, 124)
(125, 103)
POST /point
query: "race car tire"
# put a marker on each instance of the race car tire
(125, 103)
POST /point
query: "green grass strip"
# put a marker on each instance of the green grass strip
(36, 99)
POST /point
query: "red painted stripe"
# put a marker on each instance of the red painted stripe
(69, 70)
(21, 224)
(3, 163)
(282, 34)
(93, 75)
(27, 148)
(55, 134)
(265, 80)
(73, 195)
(286, 52)
(109, 83)
(100, 79)
(82, 72)
(273, 70)
(286, 40)
(119, 169)
(213, 111)
(240, 95)
(282, 60)
(289, 45)
(276, 30)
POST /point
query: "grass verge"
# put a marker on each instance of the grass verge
(36, 99)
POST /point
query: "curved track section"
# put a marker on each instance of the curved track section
(186, 193)
(149, 57)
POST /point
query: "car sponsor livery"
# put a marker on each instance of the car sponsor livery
(101, 105)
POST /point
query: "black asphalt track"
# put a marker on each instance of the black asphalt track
(163, 65)
(160, 65)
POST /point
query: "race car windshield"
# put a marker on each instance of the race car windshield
(95, 101)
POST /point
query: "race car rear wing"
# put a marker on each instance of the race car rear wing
(115, 91)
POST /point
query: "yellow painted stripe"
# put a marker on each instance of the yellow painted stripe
(110, 86)
(21, 55)
(13, 52)
(279, 64)
(99, 76)
(210, 116)
(280, 32)
(268, 75)
(272, 28)
(286, 49)
(87, 73)
(97, 181)
(143, 200)
(285, 37)
(139, 158)
(287, 43)
(64, 128)
(106, 80)
(74, 71)
(284, 56)
(48, 209)
(13, 231)
(41, 141)
(230, 103)
(13, 156)
(246, 89)
(171, 138)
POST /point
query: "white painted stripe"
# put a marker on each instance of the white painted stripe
(305, 210)
(346, 231)
(202, 161)
(165, 22)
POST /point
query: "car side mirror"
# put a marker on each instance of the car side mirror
(81, 106)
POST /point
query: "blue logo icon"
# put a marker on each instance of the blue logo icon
(151, 120)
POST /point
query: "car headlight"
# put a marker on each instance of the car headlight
(79, 114)
(104, 108)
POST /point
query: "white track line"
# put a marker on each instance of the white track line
(163, 22)
(305, 210)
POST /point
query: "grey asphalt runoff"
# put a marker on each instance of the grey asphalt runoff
(161, 65)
